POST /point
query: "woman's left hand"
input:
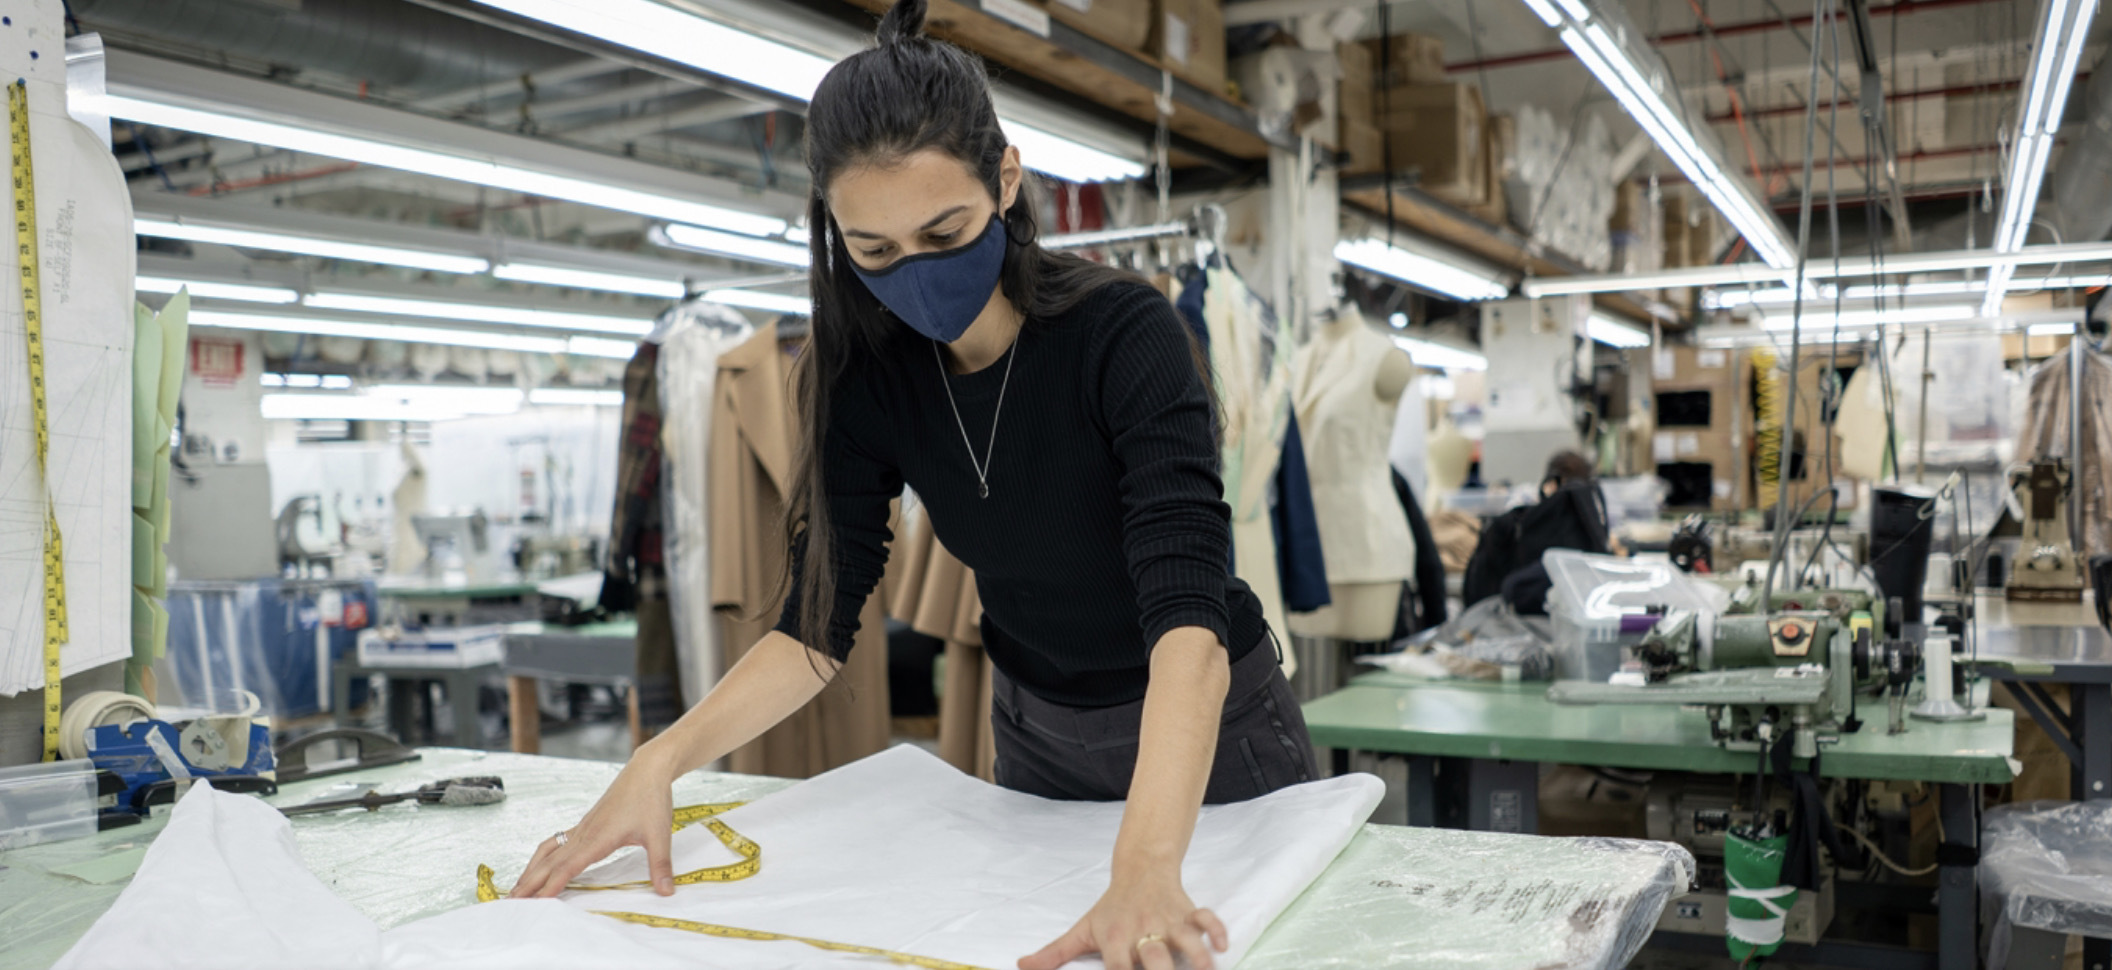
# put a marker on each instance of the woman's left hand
(1140, 923)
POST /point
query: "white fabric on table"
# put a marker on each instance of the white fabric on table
(898, 851)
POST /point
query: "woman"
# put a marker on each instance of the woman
(1049, 412)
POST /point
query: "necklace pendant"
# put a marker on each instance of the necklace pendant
(986, 488)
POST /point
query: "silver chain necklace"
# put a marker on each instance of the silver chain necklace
(982, 468)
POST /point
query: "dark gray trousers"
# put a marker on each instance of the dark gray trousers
(1088, 754)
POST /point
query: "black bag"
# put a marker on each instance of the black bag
(1572, 518)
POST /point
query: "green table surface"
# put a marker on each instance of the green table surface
(417, 591)
(1400, 714)
(404, 863)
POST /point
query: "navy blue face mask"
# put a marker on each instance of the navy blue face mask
(939, 294)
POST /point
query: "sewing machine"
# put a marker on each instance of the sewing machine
(2047, 567)
(1758, 673)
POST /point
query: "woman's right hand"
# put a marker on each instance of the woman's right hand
(635, 810)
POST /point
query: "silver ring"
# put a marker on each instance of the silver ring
(563, 838)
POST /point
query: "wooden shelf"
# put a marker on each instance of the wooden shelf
(1496, 244)
(1125, 81)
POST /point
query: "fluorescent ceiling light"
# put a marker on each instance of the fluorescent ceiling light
(310, 246)
(1067, 159)
(712, 241)
(319, 141)
(1418, 270)
(1428, 354)
(1607, 330)
(684, 38)
(403, 403)
(1576, 11)
(217, 291)
(1910, 291)
(2064, 26)
(1819, 321)
(586, 279)
(328, 382)
(1546, 12)
(331, 327)
(601, 347)
(479, 313)
(769, 302)
(2051, 329)
(2061, 282)
(575, 396)
(466, 400)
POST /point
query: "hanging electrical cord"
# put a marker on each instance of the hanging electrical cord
(1822, 13)
(1829, 402)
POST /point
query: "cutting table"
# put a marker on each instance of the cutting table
(1396, 897)
(1504, 732)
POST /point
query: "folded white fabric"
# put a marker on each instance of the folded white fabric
(897, 851)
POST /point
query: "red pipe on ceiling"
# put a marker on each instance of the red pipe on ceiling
(1898, 8)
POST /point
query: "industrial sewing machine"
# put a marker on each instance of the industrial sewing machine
(1806, 665)
(2047, 567)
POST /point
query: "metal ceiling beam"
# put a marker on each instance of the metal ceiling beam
(655, 89)
(624, 129)
(563, 74)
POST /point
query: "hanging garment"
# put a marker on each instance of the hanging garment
(1300, 561)
(935, 594)
(1363, 531)
(1248, 357)
(750, 471)
(691, 337)
(1423, 600)
(635, 579)
(897, 851)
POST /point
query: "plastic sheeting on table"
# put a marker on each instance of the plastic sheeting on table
(2047, 866)
(898, 850)
(1441, 899)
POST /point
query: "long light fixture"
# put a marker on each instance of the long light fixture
(575, 396)
(2064, 27)
(316, 141)
(1611, 332)
(1427, 353)
(2050, 330)
(702, 240)
(1749, 274)
(323, 326)
(1416, 269)
(217, 291)
(309, 246)
(1598, 41)
(682, 37)
(586, 279)
(1816, 322)
(767, 302)
(481, 313)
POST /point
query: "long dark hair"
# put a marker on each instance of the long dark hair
(906, 94)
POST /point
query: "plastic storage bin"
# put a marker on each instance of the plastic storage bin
(46, 802)
(1601, 607)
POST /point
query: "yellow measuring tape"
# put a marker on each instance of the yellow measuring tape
(33, 323)
(751, 863)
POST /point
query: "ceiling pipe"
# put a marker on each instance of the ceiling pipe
(1900, 8)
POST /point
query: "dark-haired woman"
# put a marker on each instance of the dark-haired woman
(1049, 413)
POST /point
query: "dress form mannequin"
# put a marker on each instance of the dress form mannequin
(1350, 382)
(1451, 457)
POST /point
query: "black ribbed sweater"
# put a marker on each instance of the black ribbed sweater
(1106, 524)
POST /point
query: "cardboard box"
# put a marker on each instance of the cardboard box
(1355, 94)
(1408, 59)
(1189, 36)
(1688, 366)
(1123, 23)
(1498, 136)
(1365, 146)
(1629, 198)
(1676, 232)
(1031, 16)
(1701, 408)
(1439, 130)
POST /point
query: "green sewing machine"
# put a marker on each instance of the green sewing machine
(1805, 665)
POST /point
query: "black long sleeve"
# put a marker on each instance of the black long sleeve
(1105, 525)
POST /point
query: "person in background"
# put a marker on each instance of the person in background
(1571, 514)
(1050, 414)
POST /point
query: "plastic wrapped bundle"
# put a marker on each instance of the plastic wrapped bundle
(2047, 866)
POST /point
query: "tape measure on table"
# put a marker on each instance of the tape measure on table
(55, 634)
(751, 863)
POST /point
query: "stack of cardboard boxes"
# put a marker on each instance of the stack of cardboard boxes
(1186, 36)
(1805, 465)
(1704, 418)
(1395, 106)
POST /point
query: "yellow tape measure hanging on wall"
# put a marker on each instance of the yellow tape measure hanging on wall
(33, 324)
(751, 863)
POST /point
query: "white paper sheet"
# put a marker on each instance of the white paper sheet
(84, 236)
(898, 851)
